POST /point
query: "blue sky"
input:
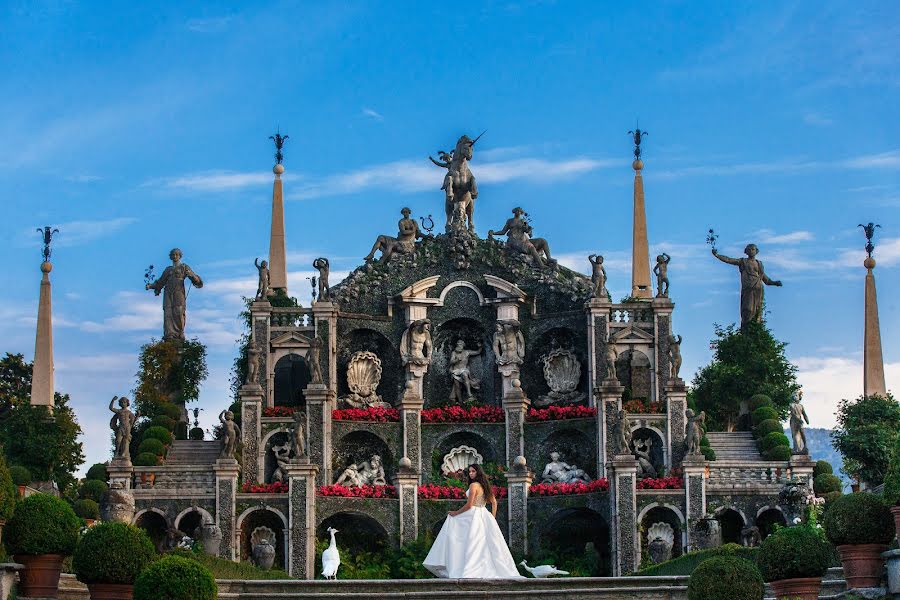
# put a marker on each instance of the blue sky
(138, 128)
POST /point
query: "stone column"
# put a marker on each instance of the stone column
(519, 479)
(226, 470)
(277, 252)
(873, 360)
(640, 254)
(597, 310)
(302, 518)
(411, 418)
(676, 399)
(609, 400)
(407, 483)
(320, 402)
(251, 399)
(42, 373)
(662, 329)
(623, 485)
(695, 495)
(802, 467)
(260, 326)
(516, 404)
(325, 317)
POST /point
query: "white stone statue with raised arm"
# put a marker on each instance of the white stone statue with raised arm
(122, 423)
(463, 381)
(171, 285)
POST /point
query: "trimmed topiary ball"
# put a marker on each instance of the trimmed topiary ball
(196, 433)
(112, 553)
(20, 475)
(764, 413)
(87, 509)
(778, 453)
(726, 578)
(153, 446)
(146, 459)
(760, 400)
(861, 518)
(42, 524)
(826, 483)
(166, 422)
(823, 467)
(92, 489)
(159, 433)
(98, 472)
(708, 453)
(767, 427)
(168, 409)
(175, 578)
(794, 552)
(776, 438)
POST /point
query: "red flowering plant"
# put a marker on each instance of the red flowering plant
(276, 487)
(642, 407)
(462, 414)
(565, 489)
(558, 413)
(280, 411)
(372, 414)
(661, 483)
(431, 491)
(363, 491)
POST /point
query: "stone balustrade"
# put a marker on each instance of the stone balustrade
(733, 475)
(621, 315)
(291, 318)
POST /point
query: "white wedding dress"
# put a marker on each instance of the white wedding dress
(471, 546)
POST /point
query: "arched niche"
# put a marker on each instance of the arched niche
(660, 513)
(263, 517)
(574, 447)
(566, 536)
(767, 519)
(276, 438)
(369, 340)
(657, 448)
(532, 373)
(359, 446)
(731, 522)
(356, 532)
(155, 523)
(291, 377)
(189, 520)
(438, 381)
(633, 369)
(462, 438)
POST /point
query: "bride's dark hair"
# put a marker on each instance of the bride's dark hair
(482, 479)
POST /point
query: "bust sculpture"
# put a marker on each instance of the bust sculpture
(753, 276)
(558, 471)
(463, 381)
(122, 424)
(519, 241)
(171, 282)
(231, 434)
(404, 243)
(415, 344)
(798, 417)
(509, 343)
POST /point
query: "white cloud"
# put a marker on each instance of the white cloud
(887, 254)
(83, 178)
(373, 114)
(767, 236)
(212, 181)
(208, 25)
(884, 160)
(75, 233)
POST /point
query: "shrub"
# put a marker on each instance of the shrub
(175, 578)
(98, 472)
(169, 409)
(686, 563)
(112, 553)
(708, 453)
(146, 459)
(778, 453)
(767, 427)
(830, 497)
(158, 433)
(92, 489)
(20, 475)
(8, 491)
(858, 519)
(164, 421)
(794, 552)
(823, 467)
(776, 438)
(42, 524)
(825, 483)
(764, 413)
(153, 446)
(892, 477)
(223, 568)
(704, 441)
(760, 400)
(196, 433)
(87, 509)
(726, 578)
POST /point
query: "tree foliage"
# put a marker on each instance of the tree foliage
(865, 435)
(15, 381)
(747, 362)
(169, 371)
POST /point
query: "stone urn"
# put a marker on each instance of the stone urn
(893, 570)
(805, 588)
(863, 564)
(40, 579)
(211, 537)
(263, 555)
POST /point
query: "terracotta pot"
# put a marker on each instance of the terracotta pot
(863, 564)
(806, 588)
(40, 579)
(111, 591)
(895, 510)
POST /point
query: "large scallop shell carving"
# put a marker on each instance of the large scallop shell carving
(459, 459)
(262, 534)
(562, 371)
(662, 531)
(364, 373)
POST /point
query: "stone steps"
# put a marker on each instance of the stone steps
(738, 445)
(193, 452)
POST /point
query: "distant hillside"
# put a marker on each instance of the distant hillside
(820, 448)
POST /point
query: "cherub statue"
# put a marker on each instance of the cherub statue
(694, 431)
(298, 438)
(324, 269)
(231, 434)
(598, 276)
(262, 288)
(662, 275)
(621, 438)
(122, 423)
(675, 355)
(315, 366)
(252, 364)
(612, 355)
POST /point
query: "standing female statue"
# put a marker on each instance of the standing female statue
(753, 276)
(175, 299)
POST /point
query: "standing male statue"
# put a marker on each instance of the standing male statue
(415, 343)
(598, 276)
(322, 265)
(509, 343)
(798, 416)
(262, 288)
(231, 434)
(661, 270)
(122, 423)
(753, 276)
(175, 299)
(463, 381)
(675, 359)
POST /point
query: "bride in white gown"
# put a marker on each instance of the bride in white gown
(470, 544)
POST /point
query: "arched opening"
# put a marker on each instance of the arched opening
(633, 372)
(369, 340)
(577, 538)
(768, 519)
(575, 449)
(356, 533)
(156, 527)
(731, 523)
(263, 518)
(189, 522)
(661, 523)
(291, 377)
(439, 382)
(651, 447)
(361, 446)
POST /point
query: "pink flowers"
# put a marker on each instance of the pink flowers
(365, 491)
(431, 491)
(459, 414)
(661, 483)
(265, 488)
(558, 413)
(565, 489)
(377, 415)
(280, 411)
(641, 407)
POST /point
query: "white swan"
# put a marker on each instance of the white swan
(542, 571)
(331, 559)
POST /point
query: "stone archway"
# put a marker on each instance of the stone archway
(361, 532)
(191, 518)
(566, 535)
(291, 377)
(731, 522)
(767, 518)
(662, 513)
(260, 516)
(155, 523)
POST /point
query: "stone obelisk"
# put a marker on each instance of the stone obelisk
(640, 253)
(277, 247)
(873, 360)
(42, 375)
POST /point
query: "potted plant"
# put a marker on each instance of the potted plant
(88, 510)
(175, 578)
(21, 477)
(42, 530)
(109, 558)
(793, 560)
(861, 527)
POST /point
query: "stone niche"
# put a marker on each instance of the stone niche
(534, 380)
(438, 382)
(634, 373)
(360, 446)
(574, 447)
(369, 340)
(461, 439)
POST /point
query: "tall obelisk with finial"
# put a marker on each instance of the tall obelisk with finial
(640, 253)
(277, 246)
(42, 374)
(873, 360)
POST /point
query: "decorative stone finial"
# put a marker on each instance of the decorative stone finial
(405, 463)
(637, 134)
(516, 383)
(278, 170)
(47, 234)
(520, 461)
(47, 266)
(279, 144)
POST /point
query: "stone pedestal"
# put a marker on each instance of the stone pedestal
(676, 399)
(695, 476)
(226, 470)
(597, 310)
(120, 470)
(117, 503)
(260, 326)
(320, 402)
(623, 485)
(508, 374)
(802, 467)
(325, 318)
(411, 418)
(519, 479)
(516, 404)
(302, 518)
(609, 401)
(251, 397)
(407, 483)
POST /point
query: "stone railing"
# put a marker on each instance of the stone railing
(193, 479)
(291, 318)
(621, 315)
(737, 475)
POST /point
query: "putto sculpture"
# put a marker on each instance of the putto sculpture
(298, 438)
(753, 277)
(415, 343)
(642, 454)
(231, 434)
(558, 471)
(509, 343)
(519, 241)
(322, 265)
(122, 424)
(315, 365)
(675, 359)
(612, 355)
(175, 298)
(253, 354)
(404, 243)
(262, 287)
(463, 381)
(798, 417)
(598, 277)
(621, 438)
(694, 431)
(661, 270)
(460, 189)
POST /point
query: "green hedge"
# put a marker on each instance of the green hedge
(222, 568)
(776, 438)
(8, 492)
(767, 427)
(175, 578)
(169, 409)
(158, 433)
(778, 453)
(196, 433)
(825, 483)
(20, 475)
(708, 453)
(823, 467)
(153, 446)
(98, 472)
(760, 400)
(892, 477)
(42, 524)
(861, 518)
(92, 489)
(146, 459)
(726, 578)
(686, 563)
(765, 413)
(794, 552)
(86, 509)
(112, 553)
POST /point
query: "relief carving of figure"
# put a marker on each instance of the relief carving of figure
(562, 372)
(122, 423)
(642, 453)
(252, 364)
(558, 471)
(675, 359)
(415, 344)
(231, 433)
(171, 282)
(459, 185)
(694, 431)
(463, 381)
(262, 288)
(598, 277)
(404, 243)
(518, 239)
(621, 437)
(324, 267)
(282, 454)
(509, 343)
(368, 472)
(753, 277)
(363, 377)
(662, 275)
(798, 417)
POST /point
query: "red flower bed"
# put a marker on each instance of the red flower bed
(431, 491)
(641, 407)
(662, 483)
(378, 415)
(558, 413)
(565, 489)
(460, 414)
(265, 488)
(280, 411)
(366, 491)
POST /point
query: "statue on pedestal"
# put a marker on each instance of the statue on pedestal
(621, 437)
(262, 288)
(753, 276)
(558, 471)
(122, 423)
(509, 343)
(694, 431)
(675, 359)
(404, 243)
(612, 355)
(518, 239)
(298, 438)
(175, 298)
(598, 277)
(642, 453)
(253, 353)
(459, 184)
(315, 366)
(463, 381)
(324, 267)
(282, 454)
(661, 270)
(798, 417)
(415, 344)
(231, 434)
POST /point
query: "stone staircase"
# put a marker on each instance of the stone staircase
(193, 453)
(736, 445)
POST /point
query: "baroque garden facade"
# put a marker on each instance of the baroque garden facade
(574, 402)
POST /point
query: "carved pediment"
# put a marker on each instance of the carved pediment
(631, 335)
(290, 339)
